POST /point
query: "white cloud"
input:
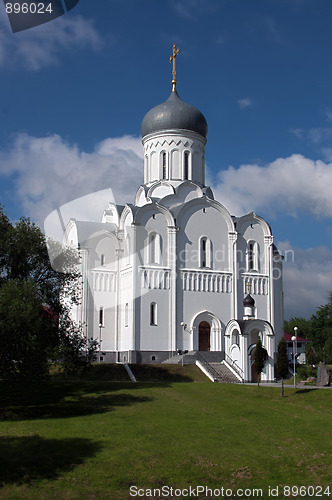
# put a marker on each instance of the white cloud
(319, 135)
(35, 48)
(295, 185)
(244, 103)
(48, 172)
(328, 114)
(307, 279)
(298, 132)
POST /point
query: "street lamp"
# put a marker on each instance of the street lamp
(294, 353)
(100, 341)
(183, 351)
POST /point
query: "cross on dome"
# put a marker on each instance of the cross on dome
(172, 58)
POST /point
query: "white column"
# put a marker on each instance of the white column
(172, 253)
(83, 312)
(245, 358)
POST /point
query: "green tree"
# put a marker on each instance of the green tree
(303, 325)
(259, 359)
(28, 281)
(27, 336)
(282, 362)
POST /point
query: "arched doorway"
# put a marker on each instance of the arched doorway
(204, 329)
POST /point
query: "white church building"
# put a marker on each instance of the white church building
(175, 270)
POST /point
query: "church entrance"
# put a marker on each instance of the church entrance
(204, 336)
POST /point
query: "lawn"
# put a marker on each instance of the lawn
(95, 440)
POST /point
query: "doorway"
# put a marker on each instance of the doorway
(204, 329)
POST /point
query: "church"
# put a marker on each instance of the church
(174, 270)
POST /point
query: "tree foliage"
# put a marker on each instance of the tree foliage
(282, 362)
(29, 336)
(318, 329)
(259, 358)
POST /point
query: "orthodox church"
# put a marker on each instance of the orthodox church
(175, 270)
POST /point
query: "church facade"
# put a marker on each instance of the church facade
(175, 270)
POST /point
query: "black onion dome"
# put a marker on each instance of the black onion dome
(248, 301)
(174, 114)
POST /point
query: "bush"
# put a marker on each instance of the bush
(304, 372)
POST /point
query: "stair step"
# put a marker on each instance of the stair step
(224, 373)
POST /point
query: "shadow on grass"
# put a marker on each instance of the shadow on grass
(26, 459)
(59, 400)
(305, 391)
(157, 373)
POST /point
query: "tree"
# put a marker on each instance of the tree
(28, 281)
(26, 334)
(259, 359)
(74, 351)
(282, 362)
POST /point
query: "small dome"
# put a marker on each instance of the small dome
(248, 301)
(174, 114)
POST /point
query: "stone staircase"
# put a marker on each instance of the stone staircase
(225, 375)
(218, 372)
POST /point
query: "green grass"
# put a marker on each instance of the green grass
(93, 440)
(143, 373)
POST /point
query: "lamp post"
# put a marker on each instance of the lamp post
(294, 353)
(100, 341)
(183, 351)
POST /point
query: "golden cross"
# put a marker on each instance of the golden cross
(248, 287)
(172, 58)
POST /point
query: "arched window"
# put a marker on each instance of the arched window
(126, 314)
(186, 166)
(101, 316)
(164, 165)
(253, 256)
(154, 248)
(153, 314)
(235, 337)
(205, 252)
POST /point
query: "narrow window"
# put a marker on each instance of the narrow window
(186, 165)
(205, 252)
(101, 316)
(251, 257)
(164, 166)
(153, 314)
(126, 314)
(154, 248)
(102, 260)
(235, 337)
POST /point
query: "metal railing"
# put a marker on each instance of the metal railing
(210, 368)
(235, 366)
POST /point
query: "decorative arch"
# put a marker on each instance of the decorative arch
(246, 220)
(208, 202)
(128, 211)
(216, 330)
(160, 189)
(153, 208)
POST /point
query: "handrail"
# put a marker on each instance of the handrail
(208, 365)
(235, 366)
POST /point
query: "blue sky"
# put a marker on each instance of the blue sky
(74, 92)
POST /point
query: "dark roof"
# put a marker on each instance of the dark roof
(248, 301)
(174, 114)
(288, 338)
